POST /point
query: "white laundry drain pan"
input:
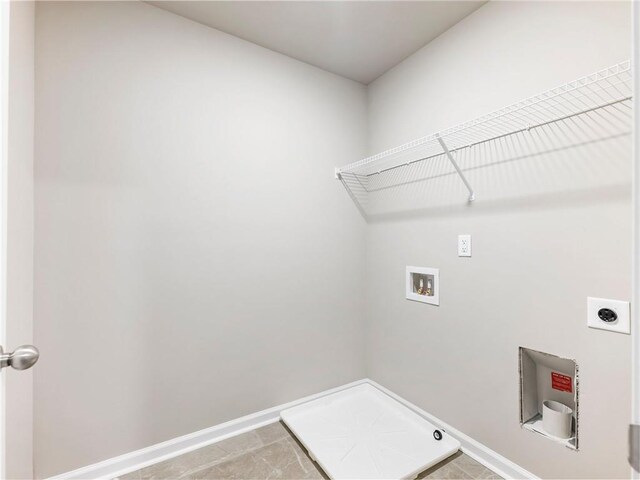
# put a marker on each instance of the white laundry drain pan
(362, 433)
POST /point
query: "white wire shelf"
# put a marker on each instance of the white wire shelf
(593, 108)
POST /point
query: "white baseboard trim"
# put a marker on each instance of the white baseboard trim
(479, 452)
(130, 462)
(138, 459)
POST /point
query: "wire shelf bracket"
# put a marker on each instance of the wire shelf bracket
(472, 195)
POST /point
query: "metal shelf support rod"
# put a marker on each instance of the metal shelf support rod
(472, 195)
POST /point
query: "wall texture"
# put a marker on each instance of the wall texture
(547, 232)
(195, 260)
(19, 328)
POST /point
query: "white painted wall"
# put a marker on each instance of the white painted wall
(169, 157)
(195, 260)
(19, 328)
(547, 232)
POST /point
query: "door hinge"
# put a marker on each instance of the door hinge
(634, 447)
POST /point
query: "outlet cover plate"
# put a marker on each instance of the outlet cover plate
(464, 245)
(622, 323)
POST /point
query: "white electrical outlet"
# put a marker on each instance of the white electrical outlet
(464, 245)
(605, 314)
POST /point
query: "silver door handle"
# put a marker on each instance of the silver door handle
(23, 357)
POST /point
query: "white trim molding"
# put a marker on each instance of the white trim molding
(138, 459)
(476, 450)
(130, 462)
(5, 10)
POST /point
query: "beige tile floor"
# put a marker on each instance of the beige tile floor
(272, 453)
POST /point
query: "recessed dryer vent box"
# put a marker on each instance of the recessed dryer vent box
(423, 285)
(546, 377)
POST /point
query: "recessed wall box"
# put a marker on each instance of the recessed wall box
(423, 285)
(546, 378)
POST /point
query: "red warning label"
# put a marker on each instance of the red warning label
(561, 382)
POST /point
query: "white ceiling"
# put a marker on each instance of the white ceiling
(356, 39)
